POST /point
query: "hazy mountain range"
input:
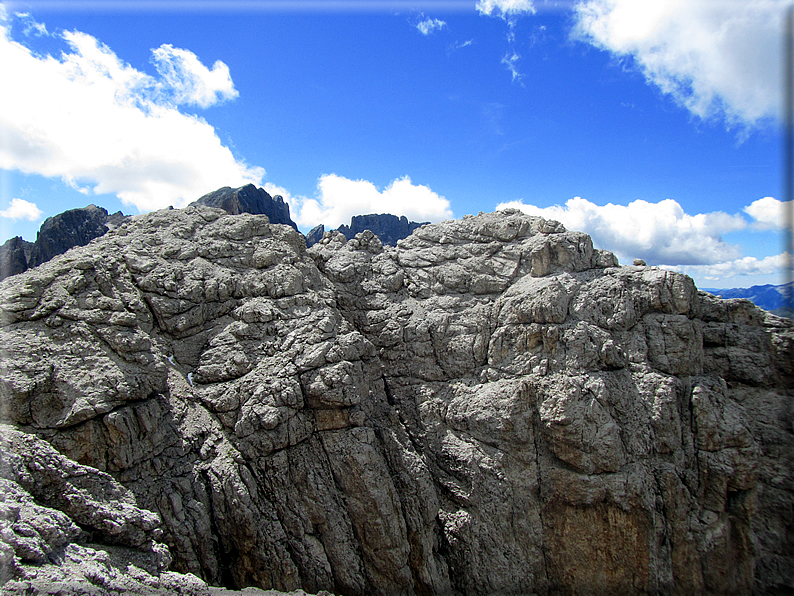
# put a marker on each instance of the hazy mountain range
(769, 297)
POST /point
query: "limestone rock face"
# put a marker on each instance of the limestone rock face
(490, 407)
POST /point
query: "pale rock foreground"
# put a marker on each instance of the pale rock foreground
(491, 407)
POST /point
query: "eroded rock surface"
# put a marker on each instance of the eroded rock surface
(490, 407)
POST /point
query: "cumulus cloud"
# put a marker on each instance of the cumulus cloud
(429, 25)
(768, 213)
(747, 266)
(505, 8)
(339, 198)
(102, 126)
(716, 58)
(656, 232)
(21, 209)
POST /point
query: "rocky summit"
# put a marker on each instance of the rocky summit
(490, 407)
(249, 199)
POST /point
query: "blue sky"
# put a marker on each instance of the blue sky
(652, 126)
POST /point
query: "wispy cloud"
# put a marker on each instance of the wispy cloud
(510, 61)
(716, 58)
(22, 209)
(102, 126)
(339, 198)
(460, 44)
(505, 8)
(30, 26)
(428, 25)
(185, 80)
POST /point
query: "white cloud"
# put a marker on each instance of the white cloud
(715, 57)
(429, 25)
(656, 232)
(102, 126)
(747, 266)
(339, 198)
(188, 81)
(505, 8)
(22, 209)
(768, 213)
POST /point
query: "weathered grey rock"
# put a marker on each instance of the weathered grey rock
(248, 199)
(490, 407)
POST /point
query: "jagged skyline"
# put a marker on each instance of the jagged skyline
(654, 130)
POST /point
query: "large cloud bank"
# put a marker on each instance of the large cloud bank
(339, 198)
(104, 127)
(746, 266)
(664, 234)
(718, 58)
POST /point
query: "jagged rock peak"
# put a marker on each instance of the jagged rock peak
(490, 407)
(75, 227)
(14, 255)
(389, 228)
(249, 199)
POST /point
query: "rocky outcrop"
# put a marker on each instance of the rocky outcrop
(249, 199)
(75, 227)
(490, 407)
(387, 227)
(14, 254)
(71, 529)
(315, 235)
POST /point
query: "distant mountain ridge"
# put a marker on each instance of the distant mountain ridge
(389, 228)
(769, 297)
